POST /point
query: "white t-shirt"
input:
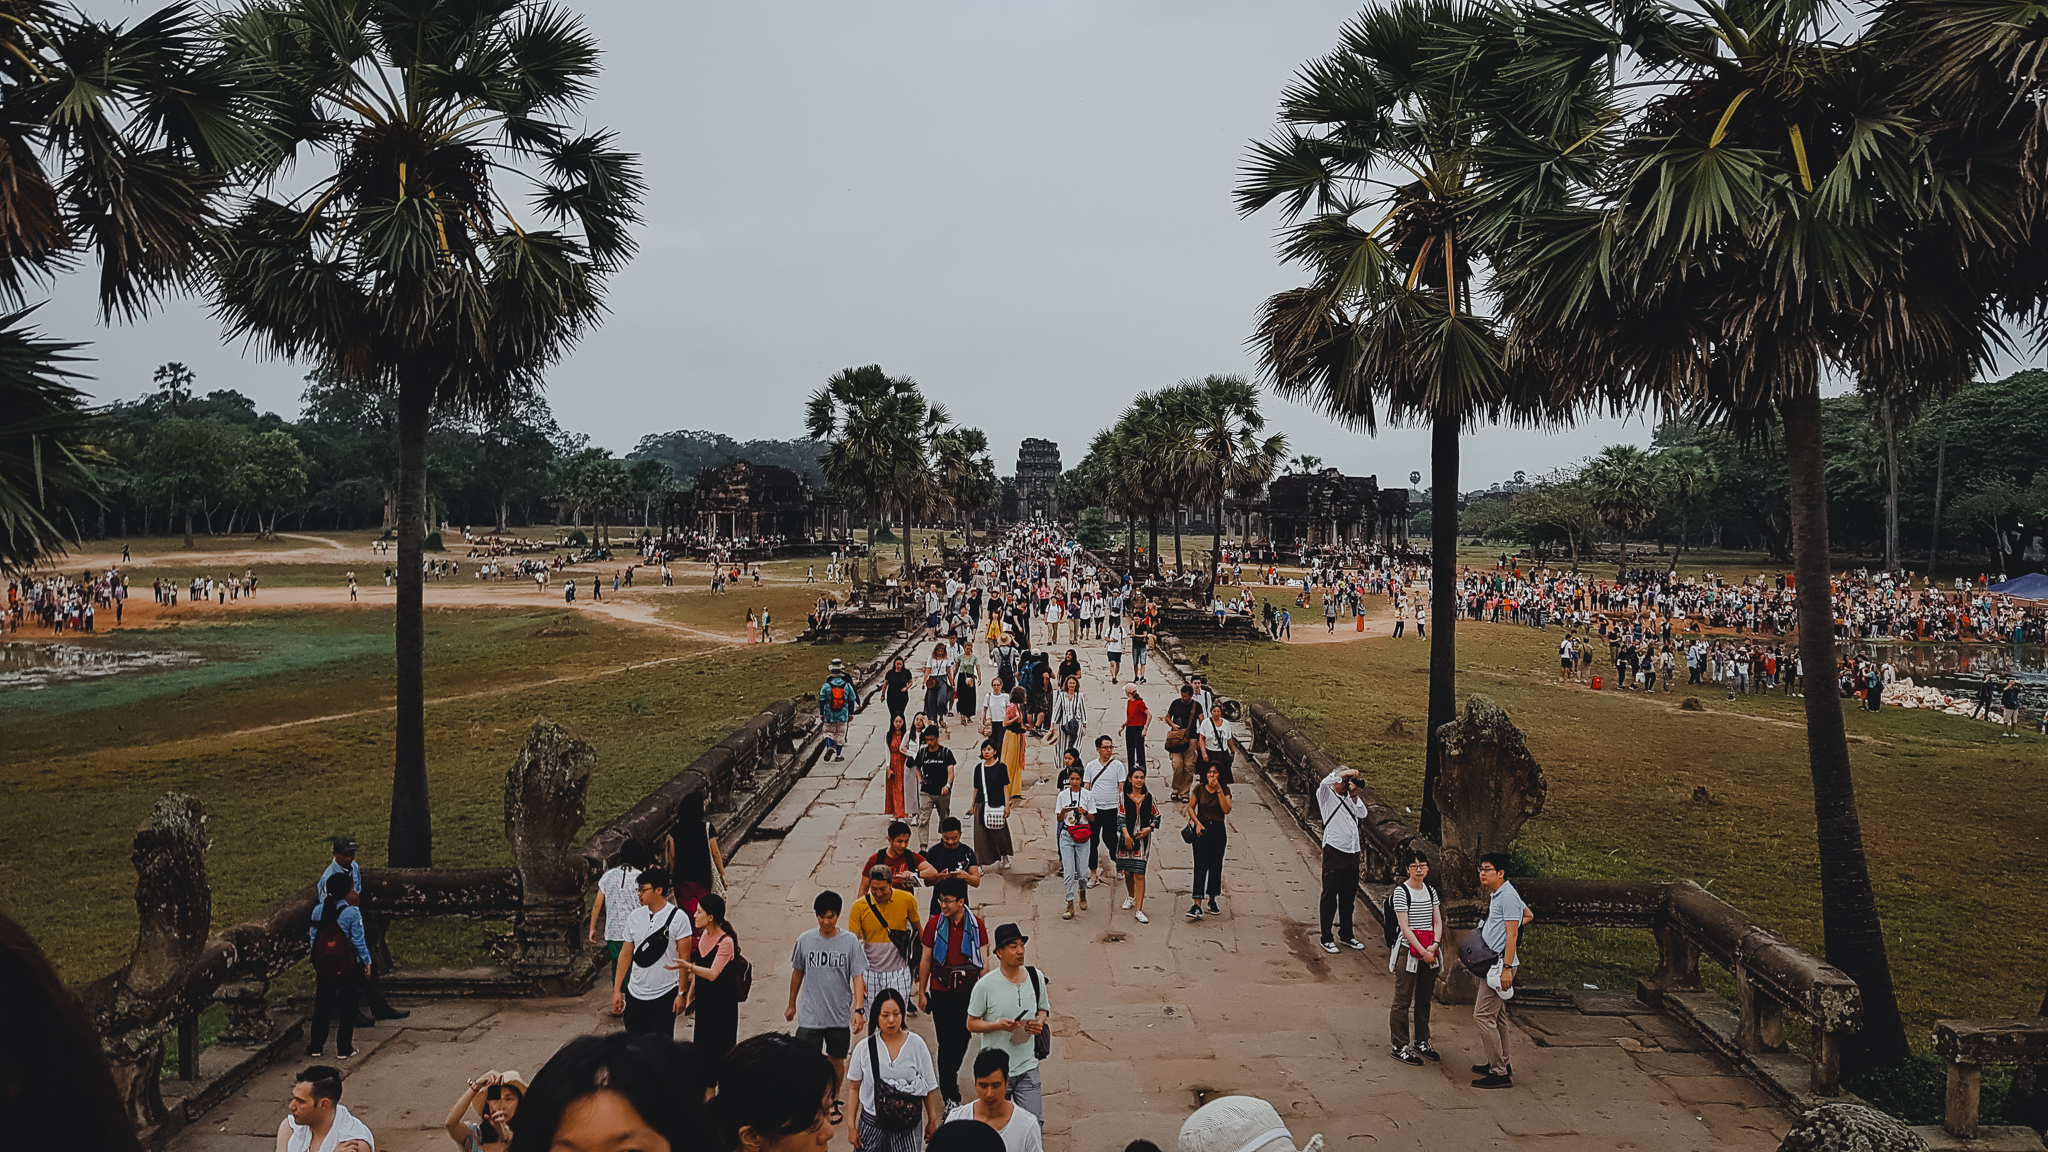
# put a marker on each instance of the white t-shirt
(621, 890)
(346, 1127)
(657, 979)
(1020, 1134)
(1104, 782)
(911, 1070)
(1069, 798)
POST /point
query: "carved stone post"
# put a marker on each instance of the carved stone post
(133, 1008)
(544, 795)
(247, 997)
(1490, 786)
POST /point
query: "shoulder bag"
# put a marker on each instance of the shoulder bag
(1476, 954)
(649, 952)
(905, 940)
(994, 817)
(894, 1111)
(1041, 1044)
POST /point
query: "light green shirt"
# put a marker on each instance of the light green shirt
(995, 998)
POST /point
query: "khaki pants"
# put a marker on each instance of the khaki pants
(1412, 988)
(1184, 768)
(1490, 1012)
(927, 802)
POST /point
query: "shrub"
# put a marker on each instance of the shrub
(433, 543)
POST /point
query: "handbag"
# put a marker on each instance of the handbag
(1176, 739)
(1188, 833)
(894, 1111)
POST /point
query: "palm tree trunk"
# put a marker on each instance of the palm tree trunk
(412, 830)
(1216, 546)
(1854, 936)
(1178, 564)
(188, 523)
(1891, 496)
(1443, 610)
(1152, 520)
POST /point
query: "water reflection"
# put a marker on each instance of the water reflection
(1958, 669)
(34, 666)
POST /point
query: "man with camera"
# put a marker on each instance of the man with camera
(1338, 801)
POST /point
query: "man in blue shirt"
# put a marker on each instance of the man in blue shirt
(1501, 931)
(375, 1006)
(838, 699)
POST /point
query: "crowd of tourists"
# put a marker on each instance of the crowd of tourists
(61, 604)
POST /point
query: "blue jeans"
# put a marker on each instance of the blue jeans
(1073, 862)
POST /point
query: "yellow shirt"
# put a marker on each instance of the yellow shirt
(898, 912)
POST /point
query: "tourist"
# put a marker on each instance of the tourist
(1009, 1011)
(995, 1104)
(645, 987)
(1419, 921)
(883, 920)
(967, 674)
(991, 807)
(837, 700)
(828, 988)
(495, 1096)
(316, 1121)
(1215, 734)
(896, 687)
(938, 685)
(1208, 804)
(1115, 648)
(1181, 716)
(1074, 817)
(1238, 1124)
(2009, 700)
(955, 956)
(893, 1064)
(374, 1006)
(1136, 717)
(1012, 753)
(1501, 933)
(1105, 781)
(622, 1091)
(893, 785)
(933, 778)
(1069, 714)
(618, 893)
(903, 865)
(714, 979)
(341, 962)
(1341, 807)
(775, 1094)
(1136, 820)
(1141, 640)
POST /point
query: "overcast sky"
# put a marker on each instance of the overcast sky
(1025, 206)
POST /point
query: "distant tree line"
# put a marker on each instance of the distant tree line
(1968, 477)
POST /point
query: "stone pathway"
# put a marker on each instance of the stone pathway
(1151, 1019)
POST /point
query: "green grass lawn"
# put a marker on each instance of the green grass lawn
(1954, 817)
(82, 763)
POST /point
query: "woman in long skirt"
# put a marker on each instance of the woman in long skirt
(892, 800)
(911, 743)
(991, 778)
(969, 672)
(1013, 743)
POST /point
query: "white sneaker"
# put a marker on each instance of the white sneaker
(1128, 902)
(1142, 918)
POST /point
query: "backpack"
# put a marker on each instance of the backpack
(838, 695)
(1389, 924)
(740, 971)
(334, 955)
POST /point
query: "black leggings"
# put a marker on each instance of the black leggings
(1134, 745)
(334, 999)
(949, 1018)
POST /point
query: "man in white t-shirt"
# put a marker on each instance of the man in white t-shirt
(992, 1104)
(1104, 780)
(650, 996)
(314, 1119)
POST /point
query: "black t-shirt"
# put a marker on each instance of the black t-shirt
(932, 764)
(944, 859)
(1181, 713)
(898, 680)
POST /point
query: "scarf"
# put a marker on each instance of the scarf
(970, 947)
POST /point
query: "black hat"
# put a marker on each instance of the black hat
(344, 845)
(1008, 933)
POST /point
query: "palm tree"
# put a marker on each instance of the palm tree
(1627, 488)
(1780, 206)
(1689, 474)
(399, 266)
(48, 448)
(1225, 452)
(966, 473)
(1408, 126)
(879, 430)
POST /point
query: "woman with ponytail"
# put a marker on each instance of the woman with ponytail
(714, 979)
(341, 962)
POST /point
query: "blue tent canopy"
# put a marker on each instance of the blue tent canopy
(2032, 586)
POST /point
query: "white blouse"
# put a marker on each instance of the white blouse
(911, 1070)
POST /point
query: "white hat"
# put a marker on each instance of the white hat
(1240, 1124)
